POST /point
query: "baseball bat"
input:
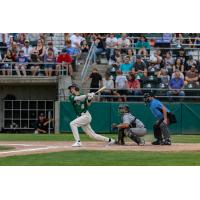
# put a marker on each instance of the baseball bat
(101, 89)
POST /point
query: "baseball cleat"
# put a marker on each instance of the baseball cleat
(157, 142)
(167, 142)
(77, 144)
(141, 143)
(111, 142)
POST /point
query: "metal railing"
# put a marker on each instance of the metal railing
(192, 94)
(88, 61)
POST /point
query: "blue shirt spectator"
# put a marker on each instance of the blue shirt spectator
(176, 83)
(126, 67)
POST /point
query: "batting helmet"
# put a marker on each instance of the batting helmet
(74, 86)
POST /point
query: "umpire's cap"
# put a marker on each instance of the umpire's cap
(75, 86)
(126, 106)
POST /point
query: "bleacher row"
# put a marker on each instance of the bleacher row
(134, 61)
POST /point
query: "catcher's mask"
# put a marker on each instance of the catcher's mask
(123, 108)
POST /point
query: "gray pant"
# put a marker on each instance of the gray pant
(140, 132)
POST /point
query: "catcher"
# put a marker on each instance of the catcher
(130, 126)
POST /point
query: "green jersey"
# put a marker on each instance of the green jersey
(79, 106)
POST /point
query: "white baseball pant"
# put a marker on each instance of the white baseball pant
(84, 122)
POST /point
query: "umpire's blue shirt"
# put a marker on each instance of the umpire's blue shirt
(156, 107)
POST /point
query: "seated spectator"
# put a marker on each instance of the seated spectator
(111, 44)
(64, 60)
(27, 49)
(15, 50)
(3, 44)
(21, 64)
(181, 55)
(69, 49)
(139, 68)
(164, 77)
(33, 38)
(126, 67)
(40, 48)
(121, 84)
(76, 40)
(131, 55)
(156, 59)
(7, 65)
(50, 46)
(99, 46)
(35, 63)
(116, 58)
(96, 80)
(109, 84)
(181, 74)
(142, 46)
(84, 46)
(49, 60)
(21, 37)
(113, 71)
(133, 85)
(168, 62)
(178, 65)
(189, 63)
(176, 85)
(192, 75)
(123, 43)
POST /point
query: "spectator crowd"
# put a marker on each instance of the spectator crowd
(135, 62)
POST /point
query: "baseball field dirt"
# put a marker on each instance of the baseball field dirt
(40, 147)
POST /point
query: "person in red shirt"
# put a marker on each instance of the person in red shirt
(64, 60)
(133, 85)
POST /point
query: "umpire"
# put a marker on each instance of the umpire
(164, 119)
(130, 126)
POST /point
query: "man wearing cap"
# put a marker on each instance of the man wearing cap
(80, 104)
(164, 119)
(130, 126)
(139, 68)
(27, 49)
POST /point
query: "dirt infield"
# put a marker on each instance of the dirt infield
(25, 148)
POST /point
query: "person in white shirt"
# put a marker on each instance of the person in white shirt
(109, 84)
(27, 49)
(111, 43)
(76, 40)
(121, 84)
(123, 42)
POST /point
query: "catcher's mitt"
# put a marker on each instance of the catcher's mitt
(114, 126)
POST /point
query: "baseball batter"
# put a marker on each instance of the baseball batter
(81, 104)
(130, 126)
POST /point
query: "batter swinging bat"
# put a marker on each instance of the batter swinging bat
(101, 89)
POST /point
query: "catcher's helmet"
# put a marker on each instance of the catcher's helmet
(74, 86)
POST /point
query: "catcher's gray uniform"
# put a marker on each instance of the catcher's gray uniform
(136, 126)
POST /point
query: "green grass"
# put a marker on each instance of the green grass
(2, 148)
(100, 158)
(69, 137)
